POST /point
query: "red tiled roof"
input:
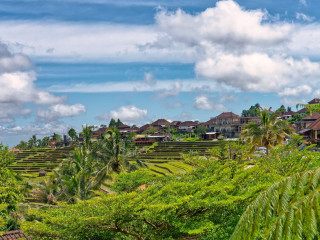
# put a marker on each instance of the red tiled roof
(13, 235)
(303, 110)
(175, 123)
(313, 116)
(314, 101)
(228, 115)
(288, 113)
(144, 127)
(211, 121)
(160, 122)
(101, 131)
(188, 123)
(315, 125)
(123, 127)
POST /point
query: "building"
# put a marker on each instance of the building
(228, 124)
(314, 101)
(307, 121)
(287, 115)
(188, 126)
(312, 133)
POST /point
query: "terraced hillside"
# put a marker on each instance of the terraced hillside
(31, 162)
(166, 158)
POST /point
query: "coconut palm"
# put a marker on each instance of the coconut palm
(113, 152)
(270, 132)
(79, 177)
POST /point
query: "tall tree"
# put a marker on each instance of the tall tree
(253, 111)
(112, 123)
(72, 134)
(268, 133)
(56, 137)
(119, 123)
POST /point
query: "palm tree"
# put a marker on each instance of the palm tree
(113, 152)
(79, 177)
(87, 135)
(269, 133)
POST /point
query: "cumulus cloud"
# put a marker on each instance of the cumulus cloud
(244, 49)
(8, 111)
(204, 103)
(12, 62)
(303, 90)
(257, 72)
(127, 114)
(227, 24)
(57, 111)
(304, 17)
(19, 87)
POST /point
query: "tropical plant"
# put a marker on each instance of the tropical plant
(310, 107)
(113, 152)
(10, 190)
(268, 133)
(73, 135)
(289, 209)
(87, 135)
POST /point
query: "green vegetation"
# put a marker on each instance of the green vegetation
(206, 203)
(11, 189)
(253, 111)
(269, 133)
(172, 190)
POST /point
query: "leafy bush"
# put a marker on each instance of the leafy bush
(127, 182)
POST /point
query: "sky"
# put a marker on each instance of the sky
(66, 63)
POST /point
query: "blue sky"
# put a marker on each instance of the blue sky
(64, 63)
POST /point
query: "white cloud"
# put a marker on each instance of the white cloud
(171, 92)
(19, 87)
(12, 62)
(8, 111)
(127, 114)
(304, 17)
(227, 24)
(55, 112)
(28, 130)
(257, 72)
(303, 90)
(204, 103)
(169, 86)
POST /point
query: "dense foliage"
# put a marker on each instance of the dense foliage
(206, 203)
(10, 191)
(268, 133)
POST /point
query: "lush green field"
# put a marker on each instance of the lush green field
(166, 158)
(30, 162)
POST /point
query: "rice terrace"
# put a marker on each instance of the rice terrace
(159, 120)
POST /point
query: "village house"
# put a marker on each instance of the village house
(188, 126)
(305, 122)
(175, 124)
(287, 115)
(161, 124)
(227, 123)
